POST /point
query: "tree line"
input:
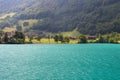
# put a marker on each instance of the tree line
(60, 38)
(113, 37)
(16, 38)
(19, 38)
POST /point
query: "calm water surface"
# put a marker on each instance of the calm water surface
(60, 62)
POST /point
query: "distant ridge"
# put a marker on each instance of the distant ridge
(88, 16)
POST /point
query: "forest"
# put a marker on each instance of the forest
(86, 16)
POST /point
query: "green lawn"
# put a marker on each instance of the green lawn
(49, 41)
(6, 15)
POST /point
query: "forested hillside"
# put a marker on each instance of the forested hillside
(86, 16)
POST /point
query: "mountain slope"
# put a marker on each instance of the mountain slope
(87, 16)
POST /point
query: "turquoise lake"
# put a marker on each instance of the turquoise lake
(60, 62)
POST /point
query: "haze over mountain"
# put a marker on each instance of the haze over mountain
(86, 16)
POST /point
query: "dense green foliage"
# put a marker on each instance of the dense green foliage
(17, 38)
(62, 39)
(83, 39)
(38, 38)
(113, 37)
(87, 16)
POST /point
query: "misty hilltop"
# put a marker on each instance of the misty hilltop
(86, 16)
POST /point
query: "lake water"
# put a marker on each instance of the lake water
(60, 62)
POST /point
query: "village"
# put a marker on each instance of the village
(17, 37)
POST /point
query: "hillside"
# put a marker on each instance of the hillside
(86, 16)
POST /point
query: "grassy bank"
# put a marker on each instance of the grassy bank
(48, 41)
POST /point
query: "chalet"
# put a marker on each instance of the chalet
(11, 33)
(33, 34)
(73, 38)
(91, 37)
(30, 34)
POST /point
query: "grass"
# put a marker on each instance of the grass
(44, 41)
(48, 41)
(74, 33)
(93, 41)
(73, 41)
(118, 41)
(6, 15)
(7, 29)
(30, 21)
